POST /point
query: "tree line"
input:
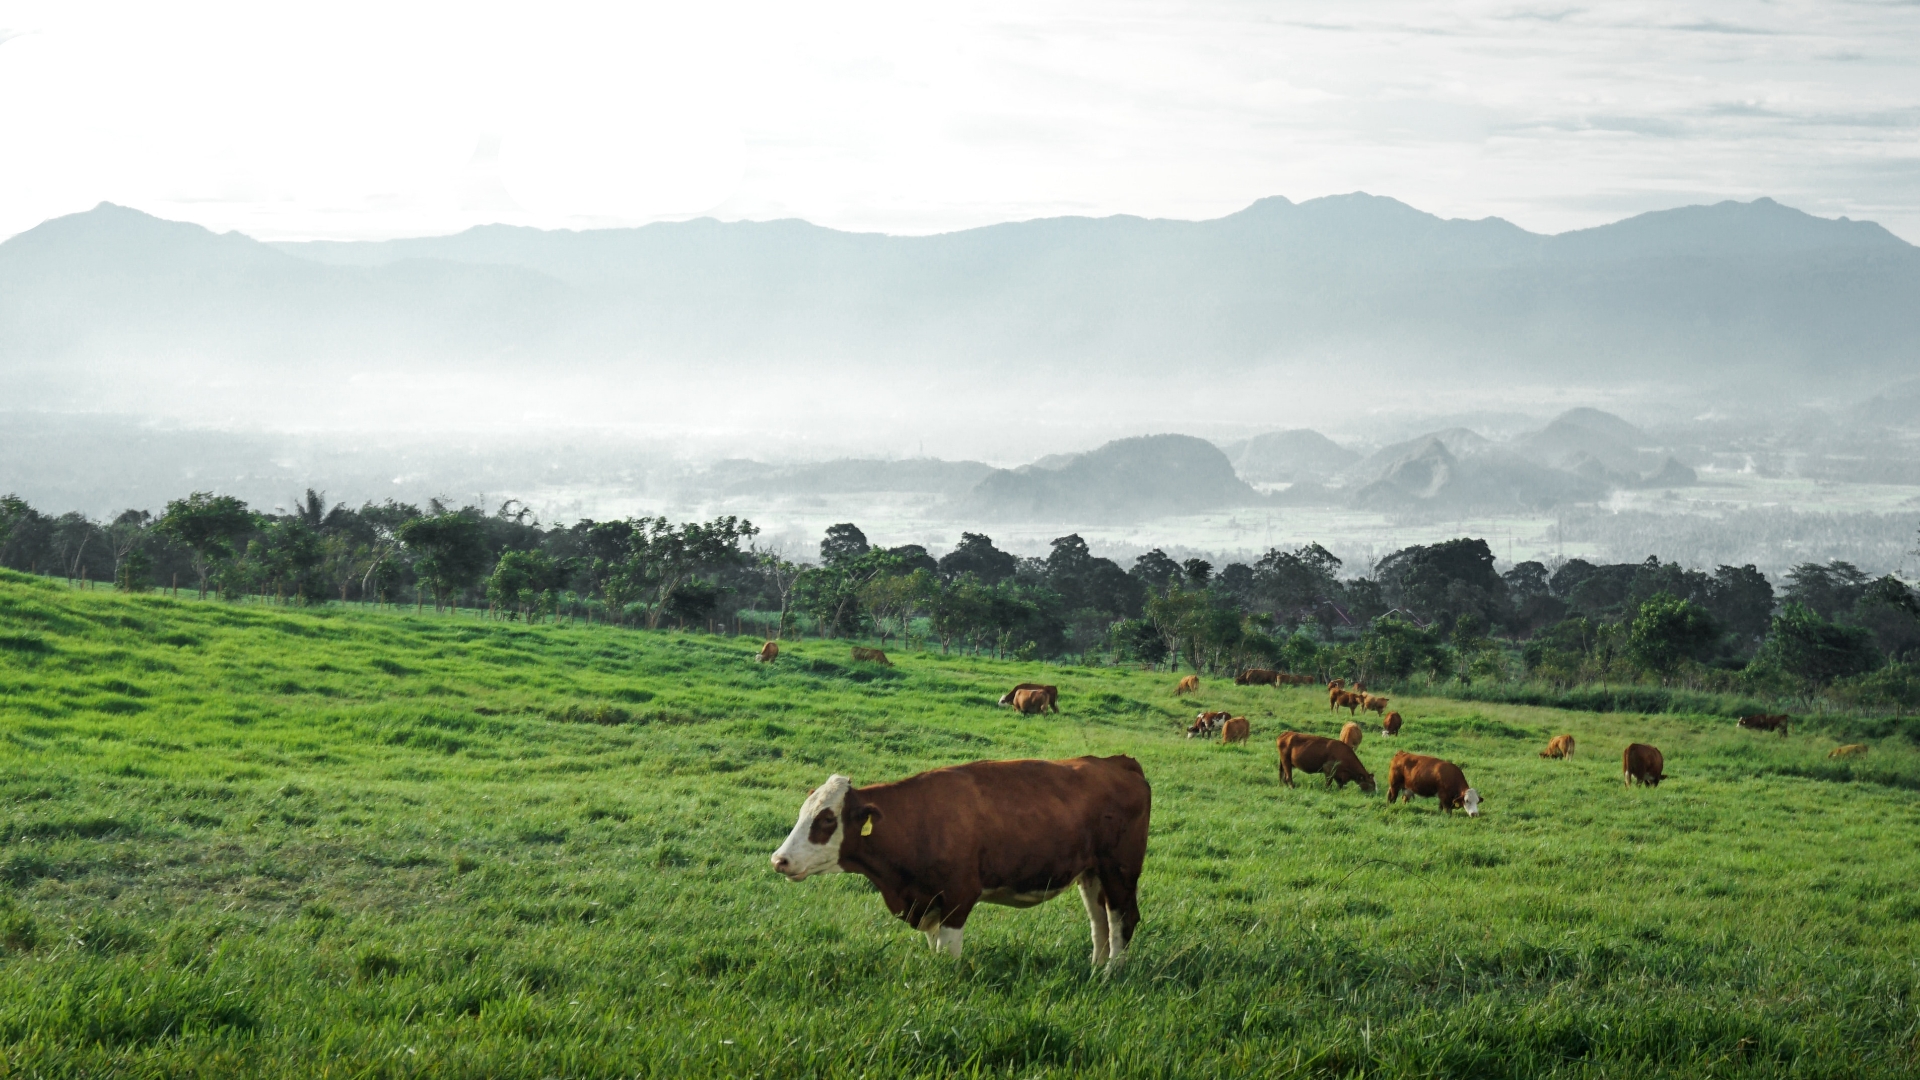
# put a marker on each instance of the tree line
(1441, 613)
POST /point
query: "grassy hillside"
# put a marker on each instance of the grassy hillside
(248, 841)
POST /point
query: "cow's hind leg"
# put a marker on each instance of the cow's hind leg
(1123, 912)
(1096, 915)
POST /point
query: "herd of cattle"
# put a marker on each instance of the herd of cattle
(1019, 833)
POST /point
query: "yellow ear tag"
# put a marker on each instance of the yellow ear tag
(867, 829)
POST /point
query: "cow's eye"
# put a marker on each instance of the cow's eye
(823, 827)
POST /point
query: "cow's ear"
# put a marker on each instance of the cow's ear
(864, 816)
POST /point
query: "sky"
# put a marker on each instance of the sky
(362, 121)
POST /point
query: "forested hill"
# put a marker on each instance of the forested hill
(1718, 293)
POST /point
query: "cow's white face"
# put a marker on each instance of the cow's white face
(1472, 801)
(813, 847)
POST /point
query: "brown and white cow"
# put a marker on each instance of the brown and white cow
(1206, 723)
(1052, 692)
(1318, 754)
(1188, 685)
(1350, 734)
(1016, 833)
(769, 652)
(1257, 677)
(1390, 724)
(871, 656)
(1560, 746)
(1235, 730)
(1417, 774)
(1643, 763)
(1030, 702)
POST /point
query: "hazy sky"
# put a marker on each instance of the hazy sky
(370, 120)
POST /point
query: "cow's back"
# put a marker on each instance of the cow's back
(1002, 815)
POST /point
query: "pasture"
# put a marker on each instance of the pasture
(241, 840)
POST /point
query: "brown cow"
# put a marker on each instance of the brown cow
(1337, 684)
(1373, 704)
(1849, 750)
(874, 656)
(1028, 702)
(1188, 685)
(1236, 730)
(1560, 746)
(1257, 677)
(1207, 723)
(769, 652)
(1016, 833)
(1052, 692)
(1417, 774)
(1350, 734)
(1342, 699)
(1779, 722)
(1318, 754)
(1643, 763)
(1390, 724)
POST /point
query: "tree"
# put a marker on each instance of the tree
(1741, 597)
(844, 542)
(521, 580)
(209, 525)
(1441, 582)
(1667, 631)
(283, 558)
(1889, 611)
(1817, 651)
(1297, 583)
(890, 600)
(959, 609)
(780, 576)
(1156, 570)
(658, 557)
(124, 538)
(976, 555)
(450, 551)
(1829, 591)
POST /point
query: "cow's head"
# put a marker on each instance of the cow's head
(1471, 800)
(813, 847)
(1366, 782)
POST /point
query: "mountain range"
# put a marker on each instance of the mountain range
(1358, 288)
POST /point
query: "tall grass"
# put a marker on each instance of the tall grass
(245, 841)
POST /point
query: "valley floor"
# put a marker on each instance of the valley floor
(240, 840)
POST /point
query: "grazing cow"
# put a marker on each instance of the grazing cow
(1643, 763)
(1417, 774)
(874, 656)
(1318, 754)
(1779, 722)
(1560, 746)
(1052, 692)
(1342, 699)
(1235, 730)
(1188, 685)
(1299, 680)
(1029, 702)
(1257, 677)
(1350, 734)
(1390, 724)
(1207, 723)
(1373, 704)
(769, 652)
(1848, 750)
(1016, 833)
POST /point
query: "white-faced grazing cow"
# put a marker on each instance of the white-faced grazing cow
(1016, 833)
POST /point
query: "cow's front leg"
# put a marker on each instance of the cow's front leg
(1097, 915)
(948, 938)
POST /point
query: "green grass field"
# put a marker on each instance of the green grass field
(240, 840)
